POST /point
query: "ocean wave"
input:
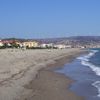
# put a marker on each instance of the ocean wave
(83, 58)
(96, 69)
(85, 62)
(87, 57)
(97, 85)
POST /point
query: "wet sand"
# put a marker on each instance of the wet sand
(49, 85)
(28, 75)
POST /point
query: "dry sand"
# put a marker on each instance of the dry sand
(21, 78)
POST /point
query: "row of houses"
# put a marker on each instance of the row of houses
(19, 43)
(32, 44)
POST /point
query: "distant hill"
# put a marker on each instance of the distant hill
(65, 40)
(73, 39)
(87, 38)
(80, 40)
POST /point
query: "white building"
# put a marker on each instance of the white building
(62, 46)
(45, 45)
(1, 43)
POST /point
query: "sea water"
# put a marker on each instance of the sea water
(85, 71)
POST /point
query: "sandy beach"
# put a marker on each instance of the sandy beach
(27, 75)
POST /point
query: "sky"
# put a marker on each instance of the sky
(49, 18)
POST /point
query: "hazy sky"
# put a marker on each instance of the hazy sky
(49, 18)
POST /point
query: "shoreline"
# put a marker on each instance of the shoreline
(29, 74)
(49, 85)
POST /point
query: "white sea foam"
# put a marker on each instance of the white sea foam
(97, 85)
(87, 57)
(83, 58)
(85, 62)
(96, 69)
(93, 67)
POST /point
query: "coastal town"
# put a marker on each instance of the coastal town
(30, 44)
(49, 44)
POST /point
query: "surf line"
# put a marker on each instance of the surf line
(85, 61)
